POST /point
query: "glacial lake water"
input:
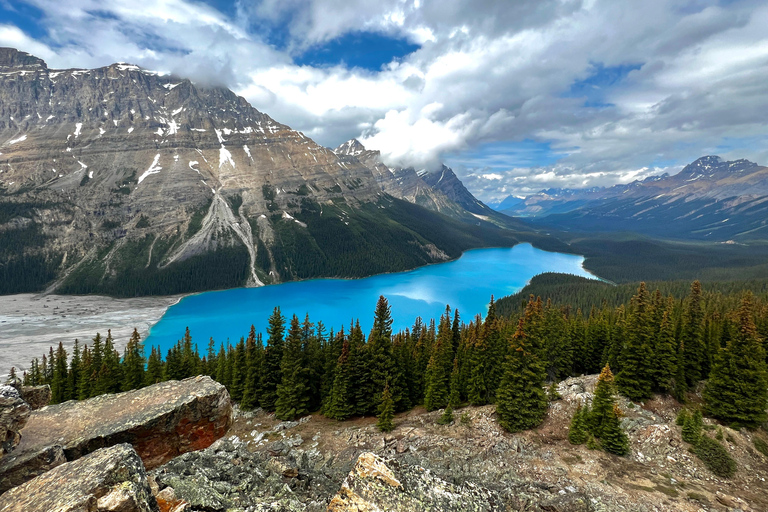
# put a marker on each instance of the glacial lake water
(465, 284)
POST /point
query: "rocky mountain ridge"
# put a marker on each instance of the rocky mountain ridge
(710, 199)
(120, 174)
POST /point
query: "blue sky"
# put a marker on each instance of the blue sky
(516, 96)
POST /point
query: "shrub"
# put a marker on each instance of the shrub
(715, 457)
(761, 446)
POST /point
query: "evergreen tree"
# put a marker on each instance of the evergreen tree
(386, 411)
(293, 392)
(664, 369)
(437, 379)
(155, 370)
(340, 405)
(691, 336)
(271, 373)
(603, 402)
(521, 401)
(383, 370)
(614, 440)
(578, 432)
(86, 373)
(737, 391)
(133, 363)
(634, 380)
(74, 375)
(478, 385)
(59, 380)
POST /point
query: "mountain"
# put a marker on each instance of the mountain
(710, 199)
(440, 191)
(122, 181)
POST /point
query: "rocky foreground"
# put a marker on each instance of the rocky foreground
(251, 462)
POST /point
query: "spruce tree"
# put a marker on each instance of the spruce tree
(59, 380)
(437, 379)
(133, 363)
(664, 367)
(383, 369)
(75, 372)
(271, 373)
(386, 411)
(578, 432)
(293, 391)
(86, 372)
(521, 402)
(614, 440)
(478, 385)
(155, 369)
(634, 380)
(603, 402)
(340, 404)
(691, 431)
(737, 390)
(691, 336)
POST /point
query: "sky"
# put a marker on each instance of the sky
(515, 95)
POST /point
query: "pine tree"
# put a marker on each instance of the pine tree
(86, 375)
(293, 391)
(737, 390)
(271, 373)
(603, 402)
(382, 363)
(340, 405)
(691, 432)
(664, 367)
(154, 373)
(691, 336)
(75, 371)
(59, 380)
(437, 379)
(478, 385)
(521, 402)
(133, 363)
(614, 440)
(578, 432)
(386, 411)
(634, 380)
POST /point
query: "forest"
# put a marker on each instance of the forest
(652, 343)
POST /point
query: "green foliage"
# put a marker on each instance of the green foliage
(271, 371)
(521, 402)
(613, 439)
(386, 411)
(737, 390)
(715, 457)
(578, 431)
(691, 429)
(447, 417)
(293, 392)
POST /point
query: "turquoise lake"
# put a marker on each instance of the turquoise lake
(465, 284)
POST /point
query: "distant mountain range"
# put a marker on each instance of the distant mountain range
(119, 180)
(710, 199)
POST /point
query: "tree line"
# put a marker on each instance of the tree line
(652, 344)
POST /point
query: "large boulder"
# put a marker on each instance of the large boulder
(36, 396)
(14, 412)
(107, 480)
(159, 421)
(384, 484)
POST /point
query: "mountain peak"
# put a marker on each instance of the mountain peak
(352, 147)
(12, 59)
(712, 166)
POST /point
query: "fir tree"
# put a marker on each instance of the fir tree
(737, 391)
(340, 405)
(447, 417)
(437, 379)
(154, 373)
(634, 380)
(664, 368)
(386, 411)
(74, 375)
(293, 392)
(521, 401)
(478, 385)
(603, 402)
(382, 367)
(578, 432)
(59, 380)
(691, 336)
(691, 430)
(271, 373)
(133, 363)
(614, 440)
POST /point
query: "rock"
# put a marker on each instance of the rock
(160, 421)
(383, 484)
(107, 480)
(168, 502)
(14, 412)
(36, 396)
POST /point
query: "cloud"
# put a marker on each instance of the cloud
(686, 76)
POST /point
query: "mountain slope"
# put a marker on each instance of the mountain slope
(710, 199)
(119, 180)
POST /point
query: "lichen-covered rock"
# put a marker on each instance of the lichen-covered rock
(160, 421)
(108, 480)
(36, 396)
(14, 412)
(384, 484)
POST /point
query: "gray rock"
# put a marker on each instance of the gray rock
(36, 396)
(14, 413)
(108, 480)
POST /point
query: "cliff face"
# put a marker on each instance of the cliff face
(116, 169)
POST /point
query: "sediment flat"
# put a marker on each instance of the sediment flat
(30, 323)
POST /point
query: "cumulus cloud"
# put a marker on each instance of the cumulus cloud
(689, 76)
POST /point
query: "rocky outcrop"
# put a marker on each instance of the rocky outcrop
(380, 484)
(107, 480)
(36, 396)
(14, 412)
(160, 422)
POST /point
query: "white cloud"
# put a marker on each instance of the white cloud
(486, 71)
